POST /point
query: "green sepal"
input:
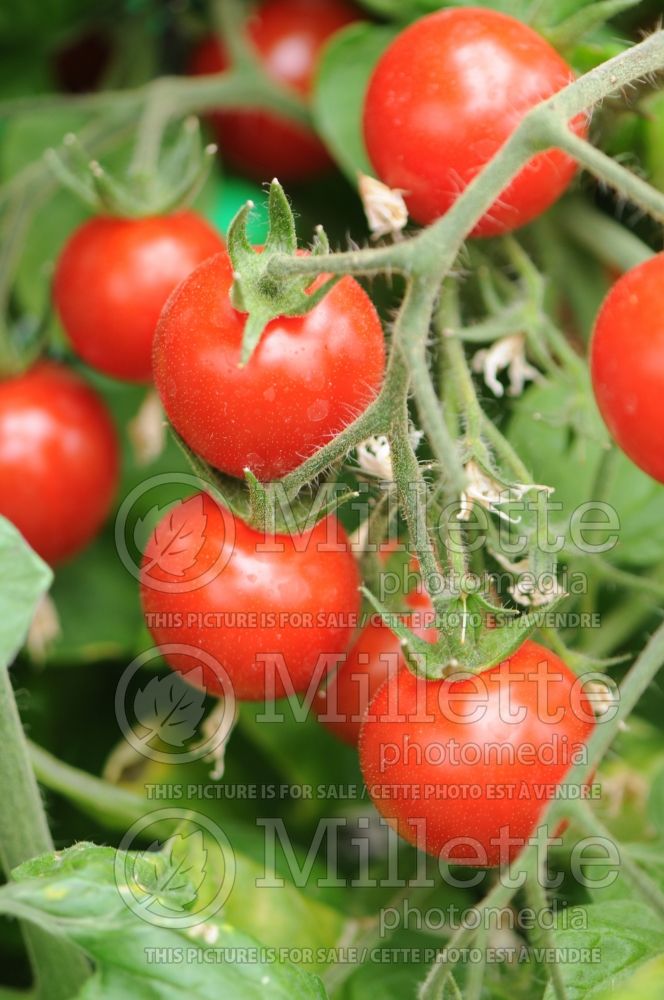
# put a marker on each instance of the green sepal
(420, 655)
(256, 503)
(476, 647)
(585, 21)
(256, 290)
(182, 171)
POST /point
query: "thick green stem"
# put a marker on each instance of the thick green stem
(413, 494)
(411, 332)
(606, 239)
(544, 935)
(640, 881)
(60, 968)
(610, 172)
(116, 807)
(632, 688)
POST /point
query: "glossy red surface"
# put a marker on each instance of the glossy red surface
(246, 600)
(444, 98)
(59, 459)
(627, 364)
(113, 279)
(306, 379)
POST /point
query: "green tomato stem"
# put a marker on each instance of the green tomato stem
(651, 894)
(60, 968)
(608, 241)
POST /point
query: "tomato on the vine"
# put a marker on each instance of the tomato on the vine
(464, 768)
(211, 582)
(307, 378)
(113, 278)
(375, 655)
(288, 36)
(446, 95)
(59, 459)
(627, 364)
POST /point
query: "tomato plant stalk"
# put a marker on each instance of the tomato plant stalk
(59, 967)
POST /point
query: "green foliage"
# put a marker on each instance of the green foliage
(635, 936)
(30, 578)
(76, 894)
(341, 82)
(558, 432)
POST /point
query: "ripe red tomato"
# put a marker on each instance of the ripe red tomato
(59, 459)
(465, 768)
(375, 655)
(211, 582)
(113, 278)
(306, 379)
(446, 95)
(288, 36)
(627, 364)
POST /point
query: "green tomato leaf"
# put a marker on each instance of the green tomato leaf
(341, 82)
(625, 933)
(74, 893)
(25, 578)
(560, 436)
(586, 20)
(645, 984)
(25, 139)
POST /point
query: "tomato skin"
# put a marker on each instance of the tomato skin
(393, 720)
(627, 364)
(264, 585)
(375, 655)
(446, 95)
(59, 459)
(288, 36)
(306, 379)
(113, 278)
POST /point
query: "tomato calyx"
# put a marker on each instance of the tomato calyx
(257, 290)
(473, 634)
(182, 170)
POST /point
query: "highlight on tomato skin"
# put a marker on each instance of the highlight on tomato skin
(113, 278)
(59, 459)
(306, 380)
(275, 612)
(430, 751)
(288, 36)
(626, 367)
(446, 95)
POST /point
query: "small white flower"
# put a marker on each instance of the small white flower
(528, 590)
(602, 698)
(508, 354)
(483, 489)
(210, 727)
(44, 628)
(147, 430)
(374, 456)
(384, 207)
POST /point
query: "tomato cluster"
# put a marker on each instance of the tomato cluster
(279, 614)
